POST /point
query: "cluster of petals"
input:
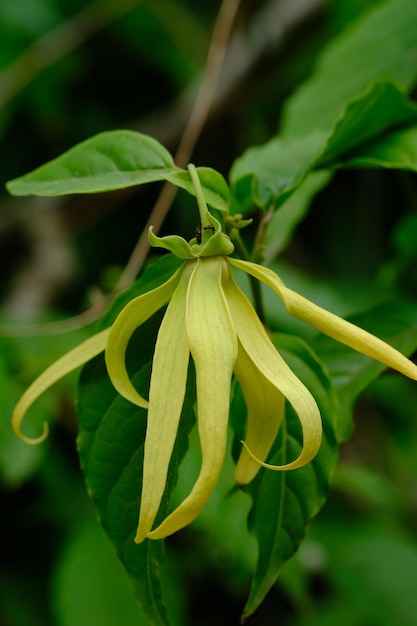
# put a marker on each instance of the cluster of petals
(209, 318)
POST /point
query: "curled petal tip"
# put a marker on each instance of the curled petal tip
(33, 441)
(303, 459)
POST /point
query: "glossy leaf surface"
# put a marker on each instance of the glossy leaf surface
(284, 503)
(110, 160)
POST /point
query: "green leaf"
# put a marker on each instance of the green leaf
(272, 172)
(355, 93)
(383, 105)
(395, 150)
(380, 44)
(110, 160)
(285, 502)
(352, 372)
(215, 189)
(110, 445)
(116, 160)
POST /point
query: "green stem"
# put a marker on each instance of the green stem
(255, 285)
(206, 224)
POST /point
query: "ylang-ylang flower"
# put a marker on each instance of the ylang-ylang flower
(209, 319)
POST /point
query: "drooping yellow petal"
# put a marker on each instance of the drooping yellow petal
(213, 346)
(268, 361)
(66, 364)
(131, 317)
(331, 324)
(166, 397)
(265, 406)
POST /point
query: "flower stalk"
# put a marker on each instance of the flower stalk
(207, 226)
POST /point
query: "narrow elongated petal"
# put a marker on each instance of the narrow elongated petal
(265, 406)
(331, 324)
(131, 317)
(213, 346)
(66, 364)
(166, 397)
(268, 361)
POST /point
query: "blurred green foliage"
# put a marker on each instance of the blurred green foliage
(354, 249)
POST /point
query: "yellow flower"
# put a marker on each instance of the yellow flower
(210, 318)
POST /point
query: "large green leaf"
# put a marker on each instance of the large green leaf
(110, 160)
(110, 444)
(352, 372)
(285, 502)
(116, 160)
(272, 172)
(381, 43)
(356, 93)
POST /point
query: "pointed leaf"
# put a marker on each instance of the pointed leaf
(285, 502)
(276, 169)
(110, 160)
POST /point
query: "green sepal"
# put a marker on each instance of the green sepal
(218, 244)
(174, 243)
